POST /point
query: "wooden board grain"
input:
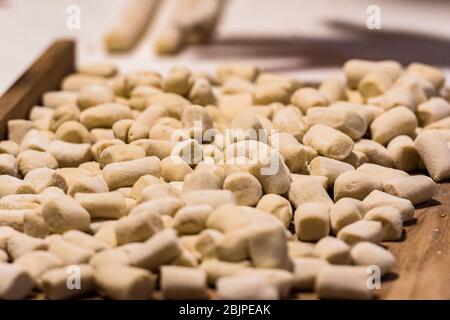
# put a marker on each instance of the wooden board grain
(423, 258)
(44, 75)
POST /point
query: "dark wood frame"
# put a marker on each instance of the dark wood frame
(423, 261)
(44, 75)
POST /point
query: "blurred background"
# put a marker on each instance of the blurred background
(308, 38)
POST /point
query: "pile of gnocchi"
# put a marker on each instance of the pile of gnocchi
(142, 185)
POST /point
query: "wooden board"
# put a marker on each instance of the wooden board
(423, 259)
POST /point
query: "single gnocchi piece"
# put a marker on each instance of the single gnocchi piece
(385, 174)
(333, 250)
(65, 113)
(435, 154)
(214, 198)
(105, 205)
(169, 41)
(36, 140)
(159, 250)
(362, 230)
(346, 211)
(375, 152)
(267, 247)
(202, 180)
(216, 269)
(403, 153)
(369, 254)
(36, 263)
(129, 130)
(378, 199)
(305, 191)
(8, 165)
(9, 147)
(281, 279)
(42, 178)
(15, 282)
(12, 185)
(95, 94)
(278, 206)
(271, 92)
(246, 188)
(183, 283)
(247, 72)
(306, 271)
(76, 81)
(271, 172)
(206, 244)
(346, 120)
(391, 221)
(356, 69)
(293, 152)
(158, 148)
(70, 154)
(120, 153)
(138, 227)
(312, 221)
(101, 69)
(54, 282)
(126, 173)
(355, 184)
(73, 132)
(201, 93)
(433, 110)
(330, 168)
(178, 81)
(130, 25)
(64, 213)
(87, 184)
(392, 123)
(56, 99)
(407, 94)
(32, 159)
(104, 115)
(69, 253)
(289, 119)
(343, 282)
(84, 240)
(429, 73)
(416, 189)
(333, 88)
(124, 282)
(191, 219)
(17, 129)
(322, 180)
(328, 142)
(374, 84)
(308, 98)
(299, 249)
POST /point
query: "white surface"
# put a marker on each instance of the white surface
(281, 35)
